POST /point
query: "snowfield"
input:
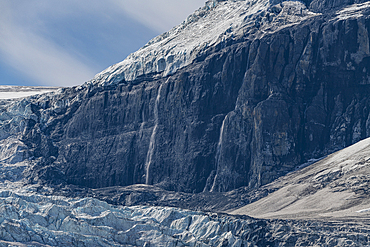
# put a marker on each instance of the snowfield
(16, 92)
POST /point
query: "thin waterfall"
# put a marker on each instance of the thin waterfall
(149, 155)
(142, 124)
(218, 152)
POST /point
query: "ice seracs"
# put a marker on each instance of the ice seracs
(29, 218)
(215, 24)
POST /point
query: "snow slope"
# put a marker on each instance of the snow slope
(15, 92)
(334, 187)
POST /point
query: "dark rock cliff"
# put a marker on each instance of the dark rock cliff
(246, 111)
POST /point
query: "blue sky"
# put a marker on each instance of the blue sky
(67, 42)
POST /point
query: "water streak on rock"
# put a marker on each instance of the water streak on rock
(218, 153)
(152, 137)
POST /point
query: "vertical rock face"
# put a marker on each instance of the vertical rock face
(162, 131)
(282, 86)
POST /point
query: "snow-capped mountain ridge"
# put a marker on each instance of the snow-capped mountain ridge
(216, 23)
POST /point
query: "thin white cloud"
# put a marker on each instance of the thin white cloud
(40, 60)
(161, 15)
(36, 57)
(26, 46)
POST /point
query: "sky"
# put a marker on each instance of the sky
(67, 42)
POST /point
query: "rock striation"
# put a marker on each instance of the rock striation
(238, 95)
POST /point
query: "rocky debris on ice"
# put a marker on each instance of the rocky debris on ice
(31, 219)
(57, 221)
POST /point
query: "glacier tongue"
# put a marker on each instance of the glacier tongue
(30, 218)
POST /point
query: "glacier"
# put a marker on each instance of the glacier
(27, 217)
(35, 214)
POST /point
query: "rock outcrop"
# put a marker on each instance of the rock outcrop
(256, 90)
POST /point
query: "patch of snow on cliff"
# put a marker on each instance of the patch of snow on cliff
(353, 11)
(363, 210)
